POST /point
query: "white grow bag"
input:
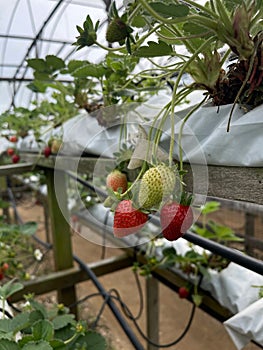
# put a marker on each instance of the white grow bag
(241, 146)
(205, 133)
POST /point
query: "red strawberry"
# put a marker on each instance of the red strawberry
(2, 275)
(127, 219)
(10, 151)
(47, 151)
(176, 219)
(13, 138)
(15, 158)
(116, 179)
(5, 266)
(183, 292)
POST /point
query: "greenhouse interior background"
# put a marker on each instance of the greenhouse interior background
(87, 259)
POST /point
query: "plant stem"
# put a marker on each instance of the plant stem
(181, 133)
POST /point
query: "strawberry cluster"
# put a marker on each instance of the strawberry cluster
(155, 191)
(12, 151)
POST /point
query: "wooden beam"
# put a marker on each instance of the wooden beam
(18, 168)
(72, 276)
(61, 234)
(75, 164)
(152, 311)
(234, 183)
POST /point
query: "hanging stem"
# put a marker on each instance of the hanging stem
(181, 134)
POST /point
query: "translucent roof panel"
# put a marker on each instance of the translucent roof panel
(36, 28)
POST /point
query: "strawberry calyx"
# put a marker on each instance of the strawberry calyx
(186, 198)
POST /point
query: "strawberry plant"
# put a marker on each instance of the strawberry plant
(90, 87)
(218, 45)
(18, 253)
(47, 328)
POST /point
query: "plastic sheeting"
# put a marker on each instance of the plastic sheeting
(241, 146)
(234, 288)
(247, 325)
(205, 137)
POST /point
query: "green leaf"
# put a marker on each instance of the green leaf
(169, 251)
(43, 76)
(54, 62)
(6, 326)
(10, 288)
(40, 345)
(153, 50)
(38, 64)
(75, 64)
(38, 307)
(62, 320)
(29, 228)
(43, 329)
(56, 343)
(20, 322)
(8, 345)
(203, 231)
(35, 316)
(210, 207)
(37, 86)
(89, 70)
(193, 28)
(168, 37)
(171, 10)
(93, 341)
(223, 233)
(26, 339)
(138, 22)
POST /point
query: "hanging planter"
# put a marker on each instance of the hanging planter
(220, 47)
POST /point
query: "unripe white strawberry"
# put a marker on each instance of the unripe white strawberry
(156, 184)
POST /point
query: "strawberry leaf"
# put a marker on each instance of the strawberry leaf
(154, 50)
(171, 10)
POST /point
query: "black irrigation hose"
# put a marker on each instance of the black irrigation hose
(234, 255)
(110, 303)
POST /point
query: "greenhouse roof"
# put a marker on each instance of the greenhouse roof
(36, 28)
